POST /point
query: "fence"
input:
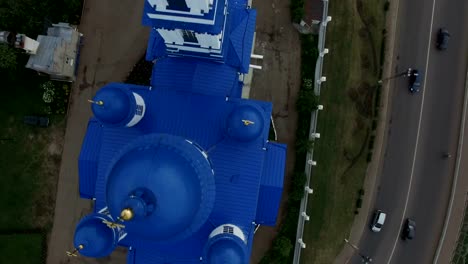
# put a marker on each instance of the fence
(299, 245)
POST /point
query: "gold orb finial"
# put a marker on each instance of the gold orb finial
(126, 214)
(96, 102)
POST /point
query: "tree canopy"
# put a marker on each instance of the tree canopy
(7, 58)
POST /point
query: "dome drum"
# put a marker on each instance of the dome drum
(164, 185)
(117, 106)
(96, 236)
(245, 123)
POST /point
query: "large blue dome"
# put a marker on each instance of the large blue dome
(177, 182)
(225, 249)
(114, 105)
(97, 239)
(245, 123)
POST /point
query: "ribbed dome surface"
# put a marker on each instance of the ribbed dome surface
(226, 249)
(114, 105)
(245, 123)
(97, 239)
(175, 173)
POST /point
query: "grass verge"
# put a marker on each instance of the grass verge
(22, 248)
(352, 69)
(29, 161)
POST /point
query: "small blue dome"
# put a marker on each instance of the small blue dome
(226, 249)
(176, 177)
(97, 239)
(245, 123)
(114, 105)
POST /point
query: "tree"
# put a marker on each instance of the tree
(7, 58)
(282, 245)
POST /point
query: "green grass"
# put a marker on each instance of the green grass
(460, 255)
(344, 125)
(27, 185)
(22, 248)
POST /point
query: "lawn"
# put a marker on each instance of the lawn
(29, 162)
(22, 248)
(460, 255)
(352, 68)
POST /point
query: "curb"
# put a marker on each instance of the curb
(375, 165)
(455, 178)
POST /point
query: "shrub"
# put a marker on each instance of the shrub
(283, 246)
(374, 124)
(307, 101)
(361, 192)
(386, 6)
(297, 190)
(359, 202)
(304, 145)
(297, 10)
(369, 157)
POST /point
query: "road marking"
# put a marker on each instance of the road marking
(455, 178)
(417, 135)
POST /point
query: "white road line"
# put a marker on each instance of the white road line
(455, 178)
(417, 135)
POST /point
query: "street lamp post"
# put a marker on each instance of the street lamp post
(365, 259)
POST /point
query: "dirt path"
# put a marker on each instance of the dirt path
(277, 82)
(114, 40)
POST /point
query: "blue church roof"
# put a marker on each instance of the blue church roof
(197, 158)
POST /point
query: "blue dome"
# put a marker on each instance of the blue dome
(226, 249)
(245, 123)
(178, 182)
(114, 105)
(97, 239)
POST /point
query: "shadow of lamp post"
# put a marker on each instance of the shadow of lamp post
(364, 258)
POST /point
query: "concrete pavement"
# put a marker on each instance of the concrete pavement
(114, 40)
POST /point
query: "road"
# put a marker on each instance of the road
(415, 180)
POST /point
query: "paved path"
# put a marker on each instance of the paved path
(114, 40)
(277, 82)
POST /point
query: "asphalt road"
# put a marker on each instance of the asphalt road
(415, 180)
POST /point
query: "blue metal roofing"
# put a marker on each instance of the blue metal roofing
(193, 75)
(88, 160)
(194, 107)
(271, 188)
(241, 39)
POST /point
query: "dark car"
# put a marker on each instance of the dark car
(443, 37)
(409, 229)
(414, 80)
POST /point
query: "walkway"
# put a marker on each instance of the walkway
(114, 40)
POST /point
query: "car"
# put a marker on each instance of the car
(378, 221)
(414, 80)
(409, 229)
(443, 37)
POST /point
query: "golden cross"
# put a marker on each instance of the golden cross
(247, 122)
(75, 250)
(112, 224)
(96, 102)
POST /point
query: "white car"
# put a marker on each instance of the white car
(378, 221)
